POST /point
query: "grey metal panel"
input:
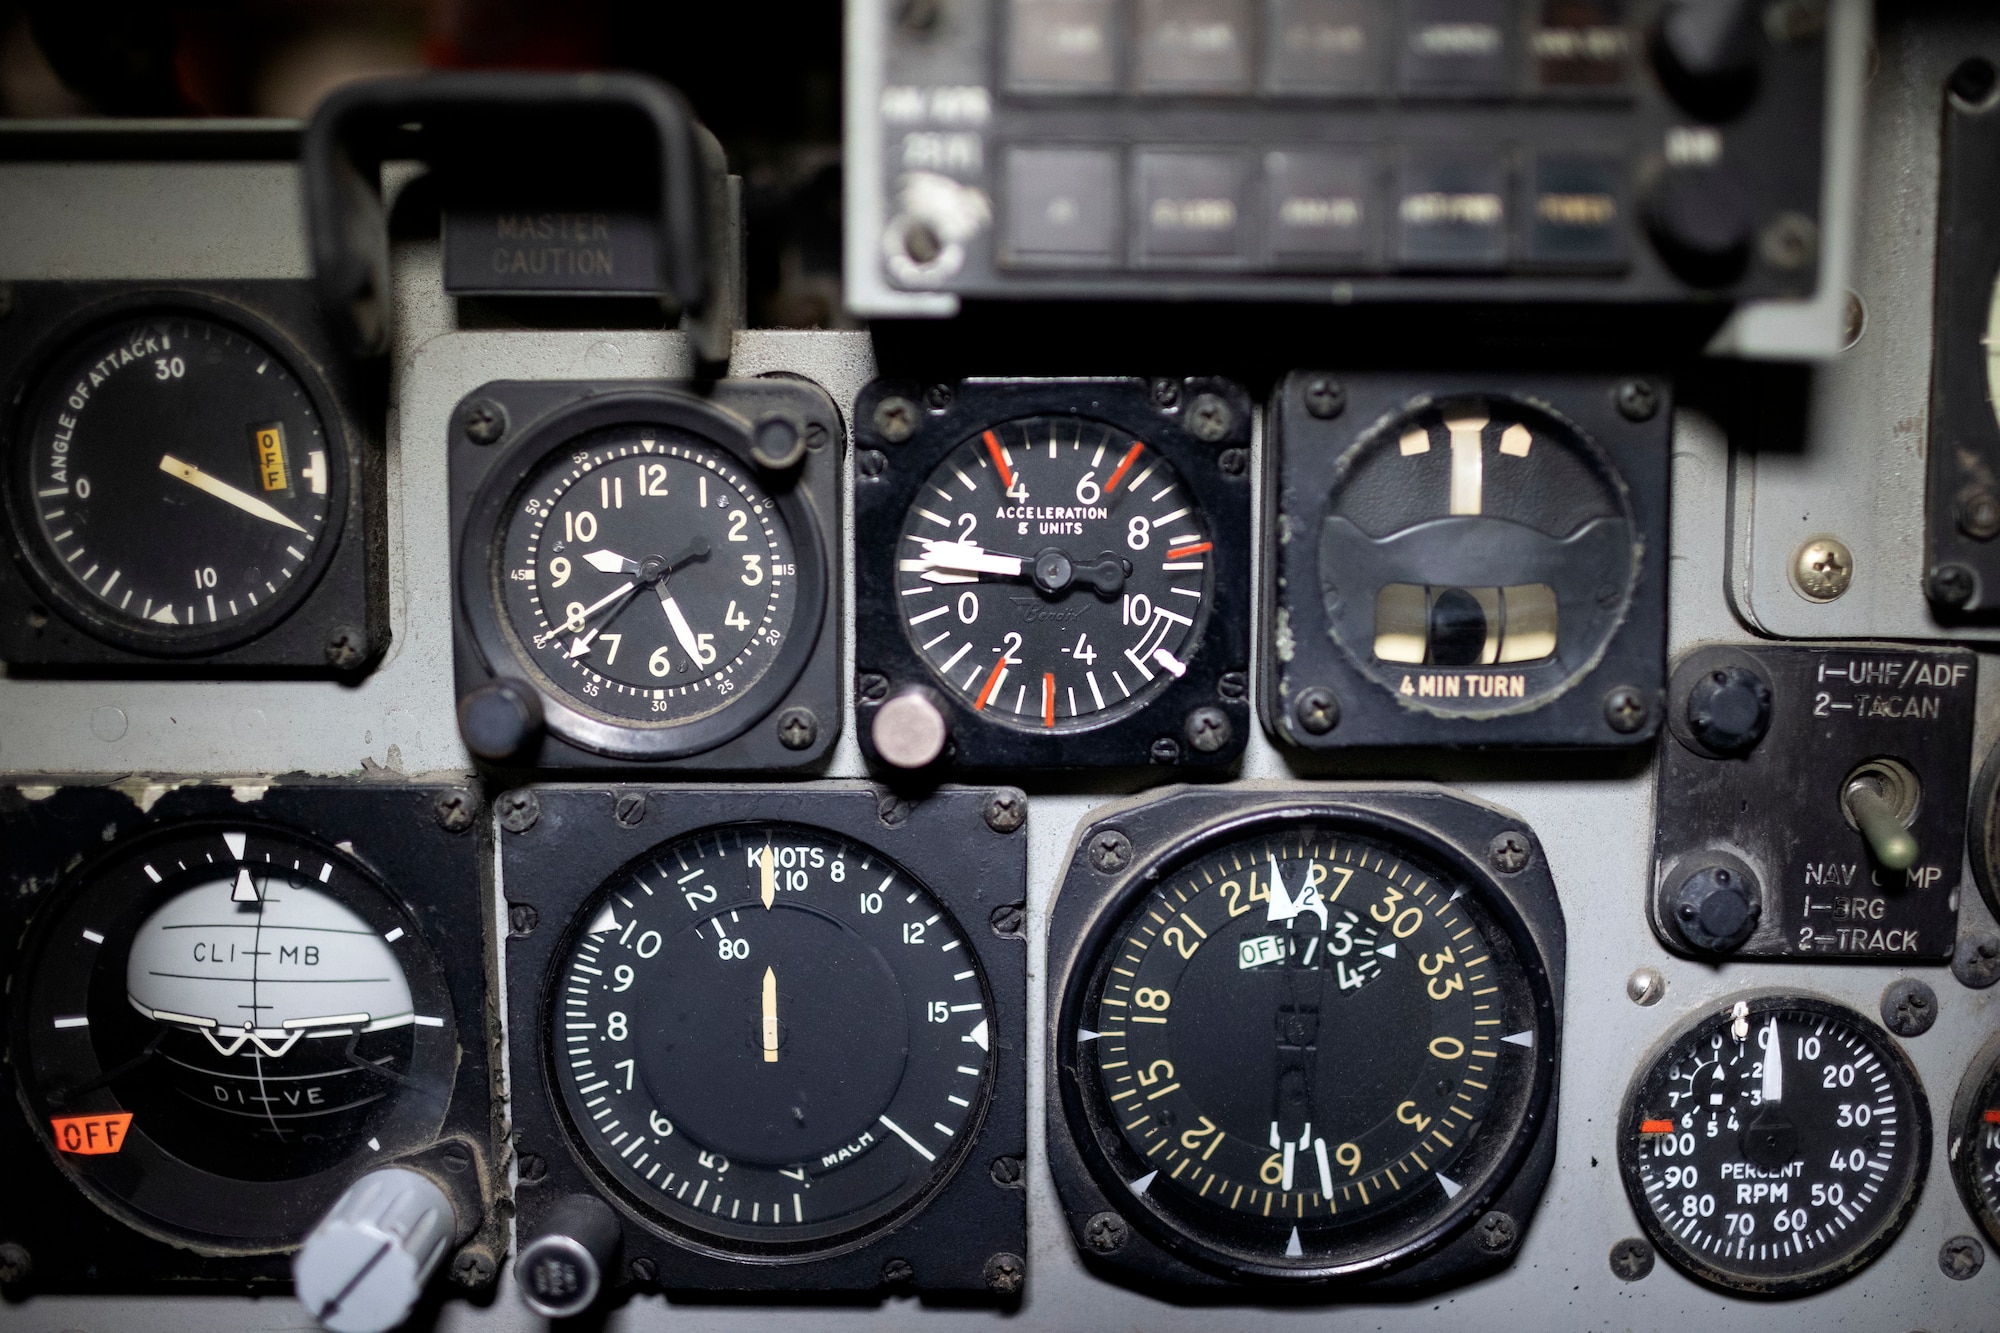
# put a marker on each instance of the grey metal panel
(109, 220)
(1597, 832)
(1860, 475)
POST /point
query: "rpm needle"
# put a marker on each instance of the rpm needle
(770, 1015)
(223, 491)
(1774, 1064)
(768, 876)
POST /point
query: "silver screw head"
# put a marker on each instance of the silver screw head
(896, 419)
(1645, 987)
(1110, 851)
(1210, 418)
(909, 731)
(1822, 569)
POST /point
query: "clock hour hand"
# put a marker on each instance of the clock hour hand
(610, 562)
(224, 492)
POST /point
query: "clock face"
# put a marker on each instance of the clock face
(1303, 1050)
(770, 1035)
(1054, 571)
(646, 576)
(179, 484)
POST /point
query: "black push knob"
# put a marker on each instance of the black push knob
(1715, 909)
(500, 721)
(562, 1268)
(1701, 222)
(1729, 710)
(1707, 54)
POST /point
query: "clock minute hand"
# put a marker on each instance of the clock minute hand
(224, 492)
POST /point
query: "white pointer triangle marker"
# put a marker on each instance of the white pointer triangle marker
(1386, 950)
(245, 891)
(1140, 1185)
(1451, 1187)
(236, 842)
(1520, 1038)
(1293, 1249)
(1085, 1034)
(977, 1036)
(605, 921)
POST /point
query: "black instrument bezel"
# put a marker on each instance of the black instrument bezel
(544, 418)
(1444, 830)
(1219, 651)
(943, 841)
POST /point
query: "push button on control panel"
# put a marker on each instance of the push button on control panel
(1062, 46)
(1194, 46)
(1454, 48)
(1451, 209)
(1321, 205)
(1322, 47)
(1190, 206)
(1576, 210)
(1062, 207)
(1580, 44)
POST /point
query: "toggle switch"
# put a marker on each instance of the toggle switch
(1878, 800)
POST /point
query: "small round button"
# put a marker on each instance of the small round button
(1729, 710)
(561, 1267)
(1716, 909)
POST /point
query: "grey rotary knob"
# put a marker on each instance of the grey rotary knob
(561, 1268)
(363, 1267)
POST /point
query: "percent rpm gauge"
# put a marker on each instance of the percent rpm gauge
(1052, 569)
(175, 486)
(220, 1014)
(1975, 1139)
(1775, 1145)
(1307, 1050)
(770, 1036)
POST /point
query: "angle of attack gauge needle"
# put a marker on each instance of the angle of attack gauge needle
(224, 492)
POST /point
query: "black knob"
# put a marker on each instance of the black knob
(1701, 222)
(1707, 54)
(1729, 710)
(1715, 909)
(500, 721)
(562, 1267)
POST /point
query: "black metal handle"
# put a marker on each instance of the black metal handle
(485, 133)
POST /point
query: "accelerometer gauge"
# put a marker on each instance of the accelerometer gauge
(770, 1037)
(1063, 580)
(175, 488)
(1460, 567)
(1975, 1139)
(1314, 1045)
(1775, 1144)
(1119, 559)
(220, 1019)
(648, 577)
